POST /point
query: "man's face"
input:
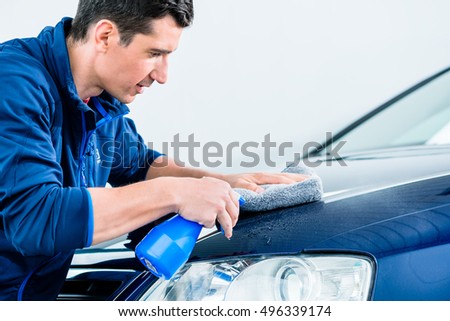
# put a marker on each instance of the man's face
(124, 72)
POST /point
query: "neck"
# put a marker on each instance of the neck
(83, 69)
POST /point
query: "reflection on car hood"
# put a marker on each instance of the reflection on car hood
(373, 205)
(365, 170)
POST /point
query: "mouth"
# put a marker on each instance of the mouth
(140, 88)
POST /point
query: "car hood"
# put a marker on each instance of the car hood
(378, 168)
(373, 204)
(362, 198)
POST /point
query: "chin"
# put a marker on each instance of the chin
(127, 99)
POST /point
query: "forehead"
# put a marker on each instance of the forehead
(165, 35)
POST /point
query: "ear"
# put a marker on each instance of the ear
(105, 32)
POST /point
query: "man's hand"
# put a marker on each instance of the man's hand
(205, 197)
(206, 200)
(252, 181)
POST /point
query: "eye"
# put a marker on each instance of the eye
(153, 54)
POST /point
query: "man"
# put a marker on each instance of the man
(63, 97)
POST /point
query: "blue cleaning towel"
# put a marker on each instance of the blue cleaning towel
(284, 195)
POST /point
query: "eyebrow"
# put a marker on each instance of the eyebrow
(161, 51)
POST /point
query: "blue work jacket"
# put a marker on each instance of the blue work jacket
(52, 147)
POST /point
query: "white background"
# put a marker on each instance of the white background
(340, 311)
(293, 68)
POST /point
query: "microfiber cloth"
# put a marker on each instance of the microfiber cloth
(284, 195)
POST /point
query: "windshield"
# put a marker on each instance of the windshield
(420, 118)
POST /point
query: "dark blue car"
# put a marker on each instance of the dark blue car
(381, 231)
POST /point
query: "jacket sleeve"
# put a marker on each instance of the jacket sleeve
(40, 216)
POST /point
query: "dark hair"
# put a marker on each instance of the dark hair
(131, 16)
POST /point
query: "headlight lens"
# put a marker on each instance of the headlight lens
(272, 278)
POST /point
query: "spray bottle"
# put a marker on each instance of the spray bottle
(168, 245)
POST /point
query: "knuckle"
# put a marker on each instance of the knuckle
(209, 223)
(219, 207)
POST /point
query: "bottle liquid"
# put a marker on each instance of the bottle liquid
(168, 245)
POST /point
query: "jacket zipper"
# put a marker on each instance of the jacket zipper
(87, 136)
(84, 142)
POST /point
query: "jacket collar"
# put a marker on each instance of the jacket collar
(58, 64)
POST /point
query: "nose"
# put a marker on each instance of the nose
(159, 73)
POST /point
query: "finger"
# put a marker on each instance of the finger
(238, 200)
(226, 224)
(256, 188)
(295, 178)
(280, 178)
(233, 207)
(252, 187)
(208, 222)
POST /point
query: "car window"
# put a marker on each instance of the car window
(420, 118)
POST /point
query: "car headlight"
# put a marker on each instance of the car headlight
(269, 278)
